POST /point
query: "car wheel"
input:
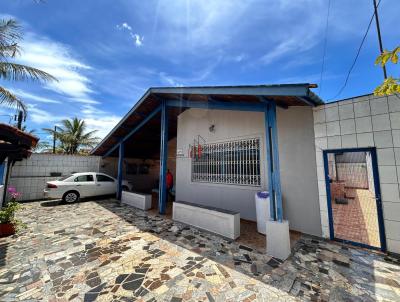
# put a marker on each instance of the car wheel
(71, 197)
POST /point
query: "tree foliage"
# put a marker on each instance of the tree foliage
(390, 85)
(10, 35)
(73, 136)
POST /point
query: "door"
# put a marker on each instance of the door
(354, 199)
(105, 185)
(85, 185)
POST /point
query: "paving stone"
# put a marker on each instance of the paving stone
(102, 251)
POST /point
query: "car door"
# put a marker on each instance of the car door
(106, 185)
(85, 185)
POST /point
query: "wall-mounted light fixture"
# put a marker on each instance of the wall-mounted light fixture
(212, 128)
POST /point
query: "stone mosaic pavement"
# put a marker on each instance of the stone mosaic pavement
(98, 250)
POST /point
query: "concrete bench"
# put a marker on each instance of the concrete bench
(137, 200)
(222, 222)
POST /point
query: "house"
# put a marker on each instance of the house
(15, 145)
(224, 144)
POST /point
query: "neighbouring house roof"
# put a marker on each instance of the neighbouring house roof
(15, 144)
(145, 143)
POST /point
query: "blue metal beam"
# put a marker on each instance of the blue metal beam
(216, 105)
(268, 101)
(162, 192)
(135, 129)
(308, 102)
(120, 169)
(273, 163)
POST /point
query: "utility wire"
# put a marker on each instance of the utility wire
(325, 45)
(357, 55)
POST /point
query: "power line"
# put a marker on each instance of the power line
(378, 29)
(357, 55)
(325, 45)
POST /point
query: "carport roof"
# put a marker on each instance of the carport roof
(284, 95)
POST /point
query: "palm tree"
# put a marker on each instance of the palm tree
(10, 35)
(73, 136)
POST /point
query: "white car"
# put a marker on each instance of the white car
(84, 184)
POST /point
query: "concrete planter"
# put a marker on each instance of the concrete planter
(218, 221)
(140, 201)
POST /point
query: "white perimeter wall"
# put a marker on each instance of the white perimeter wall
(30, 175)
(298, 167)
(141, 182)
(366, 121)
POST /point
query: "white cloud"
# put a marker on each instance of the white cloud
(138, 39)
(73, 86)
(40, 116)
(97, 119)
(26, 95)
(126, 25)
(58, 60)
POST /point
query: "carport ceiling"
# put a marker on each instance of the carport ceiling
(145, 143)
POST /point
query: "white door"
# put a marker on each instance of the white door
(105, 185)
(85, 184)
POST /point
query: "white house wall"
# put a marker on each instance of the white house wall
(298, 169)
(296, 149)
(29, 176)
(365, 121)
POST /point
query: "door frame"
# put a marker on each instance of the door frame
(378, 197)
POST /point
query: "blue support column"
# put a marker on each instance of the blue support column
(270, 159)
(120, 170)
(162, 193)
(2, 169)
(273, 163)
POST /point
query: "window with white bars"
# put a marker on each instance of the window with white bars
(233, 162)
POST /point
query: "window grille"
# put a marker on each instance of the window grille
(233, 162)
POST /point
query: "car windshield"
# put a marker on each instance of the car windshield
(64, 177)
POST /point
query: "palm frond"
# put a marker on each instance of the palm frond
(11, 100)
(10, 50)
(9, 31)
(18, 72)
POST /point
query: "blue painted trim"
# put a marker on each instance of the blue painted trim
(216, 105)
(134, 130)
(377, 188)
(273, 166)
(269, 160)
(2, 169)
(328, 195)
(359, 244)
(378, 197)
(120, 169)
(162, 192)
(275, 163)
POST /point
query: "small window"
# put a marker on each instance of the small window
(83, 178)
(101, 177)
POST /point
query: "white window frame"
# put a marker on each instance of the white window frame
(220, 163)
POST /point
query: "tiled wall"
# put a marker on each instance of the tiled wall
(29, 176)
(366, 121)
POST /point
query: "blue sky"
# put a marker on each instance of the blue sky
(106, 54)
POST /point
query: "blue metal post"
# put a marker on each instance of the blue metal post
(276, 166)
(273, 163)
(120, 170)
(2, 169)
(270, 160)
(162, 193)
